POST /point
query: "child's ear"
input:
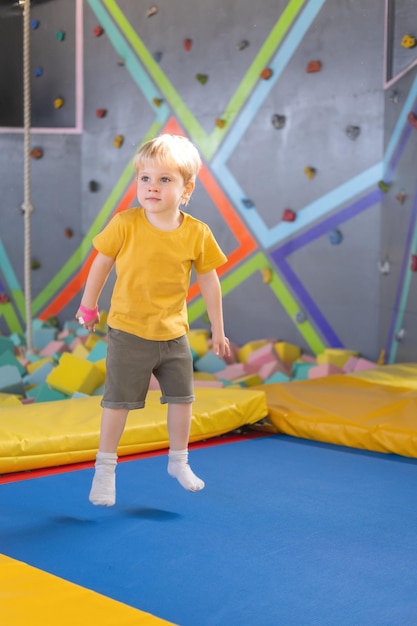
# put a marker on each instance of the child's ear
(188, 190)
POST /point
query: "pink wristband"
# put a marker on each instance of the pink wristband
(87, 314)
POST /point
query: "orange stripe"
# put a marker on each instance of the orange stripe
(78, 281)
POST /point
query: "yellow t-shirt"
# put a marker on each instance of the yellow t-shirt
(153, 270)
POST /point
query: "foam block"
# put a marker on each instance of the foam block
(263, 354)
(357, 364)
(336, 356)
(54, 347)
(74, 374)
(278, 377)
(11, 381)
(34, 365)
(42, 336)
(250, 380)
(287, 352)
(6, 345)
(8, 399)
(40, 375)
(45, 393)
(198, 340)
(246, 350)
(236, 370)
(210, 362)
(8, 358)
(98, 352)
(300, 370)
(325, 369)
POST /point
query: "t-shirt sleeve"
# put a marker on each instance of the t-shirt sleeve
(211, 255)
(110, 239)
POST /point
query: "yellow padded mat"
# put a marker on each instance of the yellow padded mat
(48, 434)
(349, 410)
(30, 596)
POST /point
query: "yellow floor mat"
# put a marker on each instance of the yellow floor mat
(349, 410)
(48, 434)
(30, 596)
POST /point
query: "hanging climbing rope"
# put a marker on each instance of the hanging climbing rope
(27, 206)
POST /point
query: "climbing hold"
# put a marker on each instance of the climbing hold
(289, 215)
(408, 41)
(310, 172)
(278, 121)
(58, 103)
(157, 102)
(219, 122)
(202, 78)
(313, 66)
(98, 31)
(384, 267)
(384, 186)
(353, 132)
(266, 275)
(4, 298)
(101, 113)
(188, 44)
(266, 73)
(413, 266)
(34, 24)
(300, 317)
(121, 62)
(242, 44)
(38, 71)
(335, 237)
(394, 96)
(412, 119)
(93, 186)
(152, 11)
(158, 56)
(400, 335)
(401, 197)
(247, 203)
(118, 141)
(60, 35)
(35, 264)
(69, 233)
(36, 153)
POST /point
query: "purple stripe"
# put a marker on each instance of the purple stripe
(279, 256)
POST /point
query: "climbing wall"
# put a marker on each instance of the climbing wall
(300, 135)
(398, 260)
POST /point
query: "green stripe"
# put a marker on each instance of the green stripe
(207, 144)
(7, 311)
(235, 278)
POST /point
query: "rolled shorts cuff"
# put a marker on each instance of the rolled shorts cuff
(129, 406)
(177, 399)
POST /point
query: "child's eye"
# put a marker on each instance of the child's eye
(165, 179)
(144, 179)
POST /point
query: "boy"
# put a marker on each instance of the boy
(153, 247)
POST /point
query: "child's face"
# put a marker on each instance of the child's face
(161, 189)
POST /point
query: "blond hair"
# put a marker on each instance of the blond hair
(173, 151)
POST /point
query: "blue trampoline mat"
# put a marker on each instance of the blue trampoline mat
(287, 532)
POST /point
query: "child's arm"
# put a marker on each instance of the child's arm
(211, 291)
(97, 276)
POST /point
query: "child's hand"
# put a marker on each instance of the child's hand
(88, 318)
(221, 346)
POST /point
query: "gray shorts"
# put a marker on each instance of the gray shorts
(130, 362)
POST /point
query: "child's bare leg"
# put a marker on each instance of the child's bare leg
(103, 489)
(179, 423)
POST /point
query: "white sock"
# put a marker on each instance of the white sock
(103, 489)
(178, 468)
